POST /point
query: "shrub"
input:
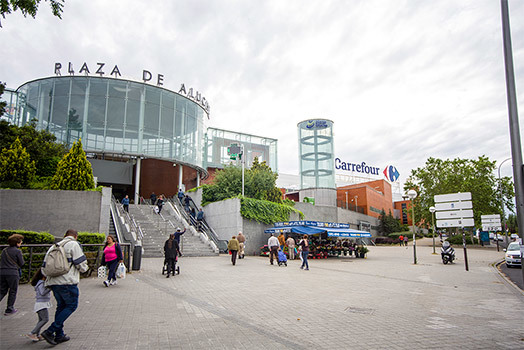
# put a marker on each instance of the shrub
(457, 239)
(266, 211)
(30, 237)
(386, 240)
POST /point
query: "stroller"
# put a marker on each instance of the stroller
(282, 258)
(176, 269)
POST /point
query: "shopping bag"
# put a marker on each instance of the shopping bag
(102, 272)
(121, 271)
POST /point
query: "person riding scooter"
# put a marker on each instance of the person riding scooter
(447, 252)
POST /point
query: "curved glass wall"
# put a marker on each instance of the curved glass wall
(116, 116)
(316, 152)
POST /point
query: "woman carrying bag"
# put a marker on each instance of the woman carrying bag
(111, 257)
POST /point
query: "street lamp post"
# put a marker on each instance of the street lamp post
(432, 210)
(412, 194)
(347, 204)
(502, 204)
(356, 204)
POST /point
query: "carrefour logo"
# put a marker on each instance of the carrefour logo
(316, 124)
(391, 173)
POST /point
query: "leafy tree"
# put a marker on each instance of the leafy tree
(29, 7)
(41, 145)
(259, 184)
(74, 172)
(3, 104)
(388, 224)
(459, 175)
(16, 165)
(512, 223)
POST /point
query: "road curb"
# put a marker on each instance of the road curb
(496, 266)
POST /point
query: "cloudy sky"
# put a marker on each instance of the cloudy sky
(402, 80)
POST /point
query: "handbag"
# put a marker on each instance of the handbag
(121, 271)
(102, 272)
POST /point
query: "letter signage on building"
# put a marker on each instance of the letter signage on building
(147, 77)
(390, 172)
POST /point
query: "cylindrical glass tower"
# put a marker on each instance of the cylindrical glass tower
(316, 151)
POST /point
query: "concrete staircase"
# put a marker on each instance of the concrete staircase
(156, 230)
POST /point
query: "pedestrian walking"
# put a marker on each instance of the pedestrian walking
(160, 203)
(406, 241)
(304, 243)
(180, 196)
(273, 244)
(65, 287)
(187, 201)
(11, 262)
(401, 240)
(111, 258)
(179, 233)
(171, 252)
(152, 198)
(125, 203)
(241, 242)
(290, 241)
(42, 304)
(233, 246)
(200, 217)
(282, 241)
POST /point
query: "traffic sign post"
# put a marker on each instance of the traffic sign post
(491, 223)
(455, 210)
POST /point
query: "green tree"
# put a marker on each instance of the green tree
(41, 145)
(512, 224)
(3, 104)
(388, 224)
(74, 172)
(29, 7)
(459, 175)
(16, 165)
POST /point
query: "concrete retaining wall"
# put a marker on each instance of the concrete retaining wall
(55, 211)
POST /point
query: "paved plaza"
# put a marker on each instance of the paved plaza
(382, 302)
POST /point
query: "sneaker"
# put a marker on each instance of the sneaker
(12, 312)
(307, 269)
(301, 267)
(106, 283)
(113, 282)
(49, 337)
(32, 336)
(40, 338)
(62, 339)
(168, 275)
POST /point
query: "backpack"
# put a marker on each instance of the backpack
(56, 263)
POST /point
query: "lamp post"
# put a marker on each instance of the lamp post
(356, 204)
(432, 210)
(502, 204)
(412, 194)
(347, 204)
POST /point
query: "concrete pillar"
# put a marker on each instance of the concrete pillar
(180, 176)
(137, 179)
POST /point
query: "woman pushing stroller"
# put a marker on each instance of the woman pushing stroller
(171, 251)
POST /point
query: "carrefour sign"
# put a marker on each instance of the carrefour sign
(390, 172)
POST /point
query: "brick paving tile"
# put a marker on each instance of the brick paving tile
(382, 302)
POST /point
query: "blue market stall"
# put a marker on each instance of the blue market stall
(322, 229)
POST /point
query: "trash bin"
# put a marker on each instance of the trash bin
(137, 257)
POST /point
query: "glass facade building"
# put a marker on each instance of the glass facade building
(218, 140)
(316, 152)
(116, 116)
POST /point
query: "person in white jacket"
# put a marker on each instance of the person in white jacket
(65, 288)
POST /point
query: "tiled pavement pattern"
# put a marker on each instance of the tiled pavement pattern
(382, 302)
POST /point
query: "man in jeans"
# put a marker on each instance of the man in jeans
(65, 288)
(273, 244)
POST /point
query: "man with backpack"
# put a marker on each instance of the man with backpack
(62, 266)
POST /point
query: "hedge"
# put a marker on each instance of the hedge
(457, 239)
(30, 237)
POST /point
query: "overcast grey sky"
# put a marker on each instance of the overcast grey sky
(401, 79)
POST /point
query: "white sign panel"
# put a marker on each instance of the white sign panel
(456, 223)
(493, 216)
(454, 214)
(490, 221)
(491, 227)
(454, 205)
(452, 197)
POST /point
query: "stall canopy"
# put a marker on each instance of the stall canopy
(333, 229)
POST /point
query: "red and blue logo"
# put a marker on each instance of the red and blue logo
(391, 173)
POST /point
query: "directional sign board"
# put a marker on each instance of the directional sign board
(491, 222)
(454, 205)
(456, 223)
(454, 210)
(454, 214)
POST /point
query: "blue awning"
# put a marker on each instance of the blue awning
(310, 230)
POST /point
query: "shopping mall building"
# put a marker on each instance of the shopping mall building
(140, 138)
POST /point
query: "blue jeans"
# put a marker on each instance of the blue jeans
(304, 258)
(111, 268)
(66, 303)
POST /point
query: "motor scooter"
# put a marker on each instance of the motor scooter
(447, 252)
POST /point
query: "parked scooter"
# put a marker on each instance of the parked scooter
(447, 252)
